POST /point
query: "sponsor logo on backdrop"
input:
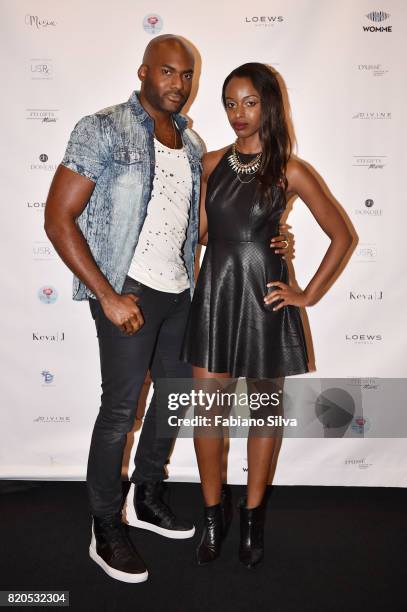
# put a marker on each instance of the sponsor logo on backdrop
(264, 21)
(47, 294)
(371, 162)
(43, 251)
(38, 22)
(369, 209)
(367, 338)
(52, 419)
(373, 296)
(375, 70)
(41, 69)
(36, 205)
(359, 463)
(360, 425)
(44, 115)
(373, 116)
(43, 158)
(378, 18)
(153, 24)
(48, 337)
(366, 253)
(370, 384)
(48, 378)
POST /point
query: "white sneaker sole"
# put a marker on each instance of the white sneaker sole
(111, 571)
(130, 518)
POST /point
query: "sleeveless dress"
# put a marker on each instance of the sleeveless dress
(229, 328)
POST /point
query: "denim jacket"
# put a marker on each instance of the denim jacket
(115, 149)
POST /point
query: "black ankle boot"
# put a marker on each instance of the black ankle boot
(209, 546)
(251, 548)
(226, 508)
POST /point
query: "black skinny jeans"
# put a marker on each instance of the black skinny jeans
(124, 362)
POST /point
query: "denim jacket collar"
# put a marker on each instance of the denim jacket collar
(141, 114)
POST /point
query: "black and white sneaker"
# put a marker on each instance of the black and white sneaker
(111, 548)
(145, 508)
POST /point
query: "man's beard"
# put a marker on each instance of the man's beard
(157, 101)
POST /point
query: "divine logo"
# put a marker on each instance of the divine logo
(375, 116)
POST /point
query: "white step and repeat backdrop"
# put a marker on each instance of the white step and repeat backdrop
(344, 67)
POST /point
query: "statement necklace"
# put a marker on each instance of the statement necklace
(241, 168)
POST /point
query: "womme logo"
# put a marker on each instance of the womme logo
(377, 16)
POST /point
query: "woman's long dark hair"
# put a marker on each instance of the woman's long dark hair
(274, 136)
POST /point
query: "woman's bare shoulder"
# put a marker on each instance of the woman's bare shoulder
(211, 159)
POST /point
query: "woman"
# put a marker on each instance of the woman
(245, 318)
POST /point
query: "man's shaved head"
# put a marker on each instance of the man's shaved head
(169, 41)
(166, 73)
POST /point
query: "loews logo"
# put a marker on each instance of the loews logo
(377, 17)
(264, 20)
(36, 205)
(363, 338)
(34, 21)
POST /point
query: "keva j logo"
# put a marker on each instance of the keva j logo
(47, 295)
(49, 337)
(152, 24)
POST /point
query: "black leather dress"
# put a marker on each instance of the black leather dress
(229, 328)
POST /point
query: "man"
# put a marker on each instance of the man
(122, 213)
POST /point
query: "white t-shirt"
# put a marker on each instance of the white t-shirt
(157, 260)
